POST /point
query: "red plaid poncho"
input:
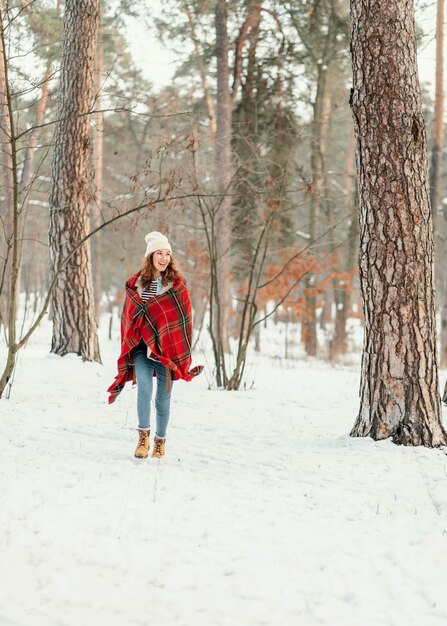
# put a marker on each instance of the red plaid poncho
(165, 324)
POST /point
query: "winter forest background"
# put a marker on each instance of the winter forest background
(297, 165)
(248, 163)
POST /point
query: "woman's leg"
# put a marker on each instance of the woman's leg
(162, 400)
(144, 369)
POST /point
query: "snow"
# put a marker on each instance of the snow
(263, 512)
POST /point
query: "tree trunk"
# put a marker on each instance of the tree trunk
(6, 183)
(318, 141)
(342, 293)
(444, 317)
(73, 307)
(10, 214)
(321, 105)
(339, 344)
(438, 139)
(436, 164)
(222, 224)
(27, 178)
(399, 387)
(96, 200)
(27, 171)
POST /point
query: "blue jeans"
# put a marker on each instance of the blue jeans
(144, 369)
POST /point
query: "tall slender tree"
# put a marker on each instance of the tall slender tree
(321, 28)
(9, 212)
(438, 136)
(73, 307)
(6, 176)
(399, 380)
(97, 173)
(343, 287)
(436, 164)
(223, 175)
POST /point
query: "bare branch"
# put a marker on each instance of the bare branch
(112, 110)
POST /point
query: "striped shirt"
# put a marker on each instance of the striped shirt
(153, 290)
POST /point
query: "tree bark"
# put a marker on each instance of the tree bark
(318, 140)
(342, 292)
(73, 307)
(399, 386)
(10, 214)
(97, 154)
(7, 184)
(444, 318)
(438, 139)
(324, 55)
(436, 166)
(223, 169)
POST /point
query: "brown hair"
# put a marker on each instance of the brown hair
(148, 271)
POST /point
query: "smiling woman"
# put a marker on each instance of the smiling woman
(156, 333)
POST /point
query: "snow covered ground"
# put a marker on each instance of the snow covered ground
(264, 511)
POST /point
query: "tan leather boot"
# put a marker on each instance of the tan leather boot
(159, 447)
(143, 444)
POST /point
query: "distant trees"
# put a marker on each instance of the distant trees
(399, 380)
(19, 137)
(73, 304)
(322, 27)
(26, 146)
(268, 57)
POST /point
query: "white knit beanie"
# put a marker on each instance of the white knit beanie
(156, 241)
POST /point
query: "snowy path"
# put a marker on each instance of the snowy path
(263, 512)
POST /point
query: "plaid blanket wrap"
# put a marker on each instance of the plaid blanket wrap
(164, 323)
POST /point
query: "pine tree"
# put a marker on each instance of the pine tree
(73, 308)
(399, 381)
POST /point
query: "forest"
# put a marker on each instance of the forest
(294, 164)
(247, 160)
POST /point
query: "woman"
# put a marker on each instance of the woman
(156, 331)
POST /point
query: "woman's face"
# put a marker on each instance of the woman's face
(161, 260)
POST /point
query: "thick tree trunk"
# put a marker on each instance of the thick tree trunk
(73, 307)
(399, 381)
